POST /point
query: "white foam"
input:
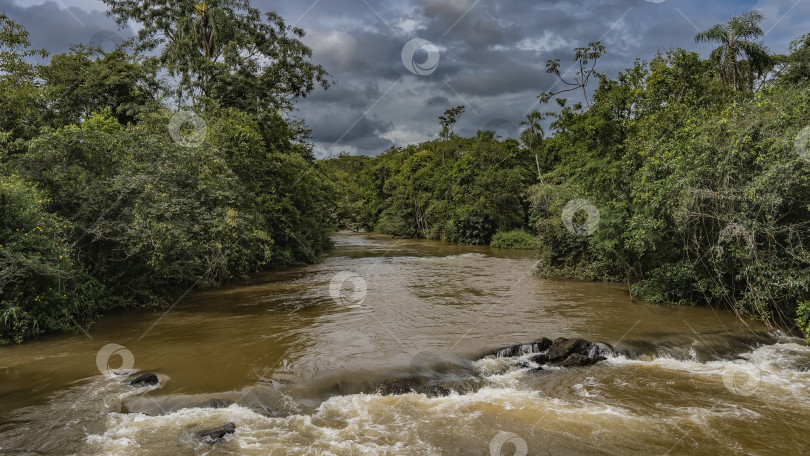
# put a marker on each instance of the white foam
(361, 424)
(342, 425)
(353, 424)
(769, 371)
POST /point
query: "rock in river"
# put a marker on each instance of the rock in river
(561, 352)
(216, 403)
(412, 385)
(562, 348)
(575, 359)
(522, 349)
(216, 434)
(145, 379)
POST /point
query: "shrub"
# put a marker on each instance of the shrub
(515, 239)
(803, 318)
(42, 288)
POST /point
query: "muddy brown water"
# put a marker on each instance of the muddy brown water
(302, 365)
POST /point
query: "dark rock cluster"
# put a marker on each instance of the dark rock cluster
(561, 352)
(145, 379)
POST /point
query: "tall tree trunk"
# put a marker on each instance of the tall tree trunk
(537, 161)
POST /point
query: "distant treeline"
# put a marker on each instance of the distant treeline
(687, 178)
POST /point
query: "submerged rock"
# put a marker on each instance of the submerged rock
(398, 386)
(575, 359)
(629, 354)
(527, 364)
(217, 434)
(216, 403)
(412, 385)
(145, 379)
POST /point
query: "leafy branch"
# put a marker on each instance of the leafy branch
(584, 57)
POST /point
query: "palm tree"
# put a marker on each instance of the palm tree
(533, 136)
(739, 37)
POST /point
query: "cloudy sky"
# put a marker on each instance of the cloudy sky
(491, 53)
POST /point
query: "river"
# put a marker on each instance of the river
(301, 356)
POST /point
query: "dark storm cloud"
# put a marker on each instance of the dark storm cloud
(437, 101)
(492, 53)
(350, 94)
(335, 123)
(477, 29)
(55, 27)
(357, 53)
(511, 76)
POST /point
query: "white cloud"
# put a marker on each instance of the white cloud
(408, 25)
(403, 135)
(547, 42)
(336, 48)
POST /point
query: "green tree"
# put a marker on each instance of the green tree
(585, 58)
(798, 62)
(485, 135)
(226, 51)
(740, 54)
(20, 97)
(448, 121)
(15, 49)
(87, 80)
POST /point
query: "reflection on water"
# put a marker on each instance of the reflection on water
(302, 368)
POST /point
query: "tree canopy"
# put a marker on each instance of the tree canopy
(224, 50)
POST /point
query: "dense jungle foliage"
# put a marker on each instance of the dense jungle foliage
(687, 178)
(109, 198)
